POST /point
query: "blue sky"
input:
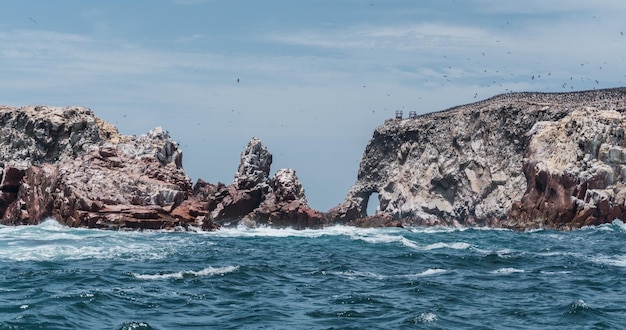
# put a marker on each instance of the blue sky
(315, 77)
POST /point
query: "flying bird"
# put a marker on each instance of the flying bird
(33, 20)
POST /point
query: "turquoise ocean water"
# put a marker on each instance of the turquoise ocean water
(54, 277)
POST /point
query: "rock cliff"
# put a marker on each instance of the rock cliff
(68, 164)
(518, 160)
(255, 198)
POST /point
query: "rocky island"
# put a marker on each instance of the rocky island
(517, 160)
(69, 164)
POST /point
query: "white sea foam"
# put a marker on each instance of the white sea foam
(432, 271)
(562, 272)
(427, 317)
(53, 241)
(619, 224)
(508, 270)
(209, 271)
(355, 274)
(350, 274)
(265, 231)
(380, 238)
(69, 252)
(442, 245)
(618, 260)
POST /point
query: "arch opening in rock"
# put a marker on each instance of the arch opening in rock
(373, 204)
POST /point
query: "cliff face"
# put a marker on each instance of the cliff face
(576, 170)
(68, 164)
(474, 164)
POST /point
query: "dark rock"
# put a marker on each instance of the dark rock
(375, 221)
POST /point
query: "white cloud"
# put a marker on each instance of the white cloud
(391, 37)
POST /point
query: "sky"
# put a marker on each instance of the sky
(311, 78)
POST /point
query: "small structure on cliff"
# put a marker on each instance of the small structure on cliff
(398, 114)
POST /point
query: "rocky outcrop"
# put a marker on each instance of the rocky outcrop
(576, 172)
(485, 164)
(68, 164)
(248, 190)
(286, 205)
(253, 198)
(519, 160)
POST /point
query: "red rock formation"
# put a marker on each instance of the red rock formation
(104, 188)
(575, 169)
(254, 199)
(377, 220)
(286, 205)
(68, 164)
(10, 182)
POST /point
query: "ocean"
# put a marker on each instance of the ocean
(55, 277)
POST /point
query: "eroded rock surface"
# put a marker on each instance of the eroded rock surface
(576, 172)
(254, 198)
(286, 205)
(68, 164)
(465, 166)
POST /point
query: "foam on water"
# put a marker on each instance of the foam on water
(618, 225)
(448, 277)
(443, 245)
(507, 270)
(432, 271)
(356, 274)
(618, 260)
(351, 274)
(52, 241)
(208, 271)
(427, 317)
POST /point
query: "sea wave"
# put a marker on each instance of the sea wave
(617, 260)
(507, 270)
(443, 245)
(351, 274)
(49, 241)
(208, 271)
